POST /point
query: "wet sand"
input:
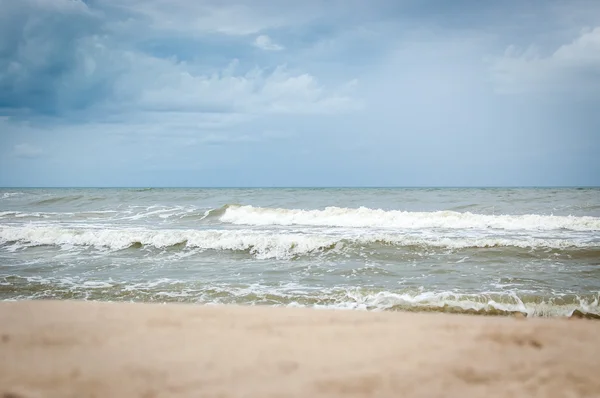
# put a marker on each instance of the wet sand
(88, 349)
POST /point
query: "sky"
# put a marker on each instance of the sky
(312, 93)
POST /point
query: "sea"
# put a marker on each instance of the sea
(485, 251)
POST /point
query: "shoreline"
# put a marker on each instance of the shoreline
(77, 349)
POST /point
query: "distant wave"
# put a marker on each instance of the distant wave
(142, 189)
(7, 195)
(17, 215)
(365, 217)
(60, 199)
(129, 213)
(262, 244)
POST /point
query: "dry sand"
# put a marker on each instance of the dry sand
(77, 349)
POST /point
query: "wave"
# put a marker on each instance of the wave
(130, 213)
(261, 244)
(7, 195)
(218, 213)
(90, 215)
(58, 199)
(142, 189)
(362, 217)
(65, 199)
(365, 217)
(258, 243)
(294, 295)
(8, 213)
(477, 304)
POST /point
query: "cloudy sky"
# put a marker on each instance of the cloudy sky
(290, 93)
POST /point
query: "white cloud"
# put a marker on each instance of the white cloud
(572, 67)
(163, 85)
(264, 42)
(25, 150)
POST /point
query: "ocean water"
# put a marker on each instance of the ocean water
(481, 251)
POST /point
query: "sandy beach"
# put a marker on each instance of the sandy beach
(90, 349)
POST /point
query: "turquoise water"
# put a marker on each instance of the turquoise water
(486, 251)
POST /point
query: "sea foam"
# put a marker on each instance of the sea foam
(297, 295)
(260, 243)
(365, 217)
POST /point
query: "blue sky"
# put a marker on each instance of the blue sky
(312, 93)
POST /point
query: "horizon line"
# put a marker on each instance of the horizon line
(307, 187)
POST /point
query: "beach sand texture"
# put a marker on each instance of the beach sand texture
(91, 349)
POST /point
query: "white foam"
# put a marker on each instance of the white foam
(449, 301)
(96, 285)
(18, 214)
(501, 302)
(164, 212)
(344, 298)
(262, 244)
(7, 195)
(294, 295)
(365, 217)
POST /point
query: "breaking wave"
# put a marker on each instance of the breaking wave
(365, 217)
(260, 243)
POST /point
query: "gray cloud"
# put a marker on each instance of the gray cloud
(39, 55)
(67, 58)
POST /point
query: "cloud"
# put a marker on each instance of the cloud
(161, 85)
(232, 18)
(25, 150)
(571, 68)
(264, 42)
(72, 62)
(199, 85)
(55, 57)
